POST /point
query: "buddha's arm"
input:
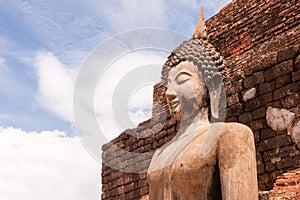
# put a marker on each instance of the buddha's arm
(237, 163)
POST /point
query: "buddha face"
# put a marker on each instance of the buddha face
(186, 92)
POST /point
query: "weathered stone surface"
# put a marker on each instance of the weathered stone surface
(295, 133)
(279, 119)
(286, 54)
(266, 87)
(297, 62)
(296, 76)
(233, 99)
(256, 78)
(249, 94)
(278, 70)
(283, 80)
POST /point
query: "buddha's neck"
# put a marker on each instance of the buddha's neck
(193, 124)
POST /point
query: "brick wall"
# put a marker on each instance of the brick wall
(260, 42)
(287, 186)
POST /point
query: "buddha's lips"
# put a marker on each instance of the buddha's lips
(174, 104)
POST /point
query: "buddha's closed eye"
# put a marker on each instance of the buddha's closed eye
(182, 77)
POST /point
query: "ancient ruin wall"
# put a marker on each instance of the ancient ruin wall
(260, 42)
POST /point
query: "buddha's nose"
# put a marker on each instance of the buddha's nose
(170, 94)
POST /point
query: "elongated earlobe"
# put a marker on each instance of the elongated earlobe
(214, 87)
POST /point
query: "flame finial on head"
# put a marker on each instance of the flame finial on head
(200, 31)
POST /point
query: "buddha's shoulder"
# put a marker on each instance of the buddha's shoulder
(234, 130)
(233, 127)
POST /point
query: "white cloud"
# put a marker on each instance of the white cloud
(56, 84)
(46, 165)
(123, 97)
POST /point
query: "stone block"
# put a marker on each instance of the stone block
(267, 133)
(254, 103)
(286, 162)
(270, 167)
(291, 100)
(267, 144)
(286, 54)
(279, 119)
(144, 191)
(256, 78)
(297, 62)
(266, 87)
(234, 87)
(283, 80)
(233, 99)
(257, 124)
(259, 113)
(235, 110)
(129, 187)
(245, 117)
(249, 94)
(278, 70)
(296, 76)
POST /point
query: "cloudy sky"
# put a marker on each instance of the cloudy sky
(43, 46)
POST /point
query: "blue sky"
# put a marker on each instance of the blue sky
(44, 43)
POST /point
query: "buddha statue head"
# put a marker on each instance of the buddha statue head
(194, 79)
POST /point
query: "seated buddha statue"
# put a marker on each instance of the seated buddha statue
(206, 160)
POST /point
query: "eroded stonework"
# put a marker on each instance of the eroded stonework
(280, 119)
(250, 94)
(295, 133)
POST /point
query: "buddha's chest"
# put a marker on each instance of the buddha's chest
(182, 169)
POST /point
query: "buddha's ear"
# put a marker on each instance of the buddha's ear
(215, 89)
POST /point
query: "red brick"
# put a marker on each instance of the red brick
(259, 113)
(283, 80)
(233, 99)
(267, 133)
(256, 78)
(286, 54)
(267, 144)
(296, 76)
(231, 119)
(283, 140)
(267, 155)
(129, 187)
(260, 168)
(234, 87)
(117, 182)
(142, 183)
(235, 110)
(266, 62)
(245, 117)
(278, 70)
(291, 100)
(257, 125)
(266, 98)
(270, 167)
(144, 191)
(254, 103)
(282, 92)
(266, 87)
(285, 163)
(133, 194)
(297, 62)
